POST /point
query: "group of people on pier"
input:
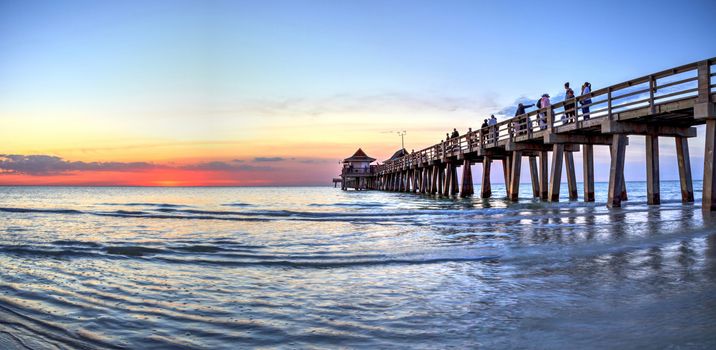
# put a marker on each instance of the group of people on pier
(518, 126)
(521, 126)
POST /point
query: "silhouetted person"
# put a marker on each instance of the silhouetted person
(586, 90)
(569, 105)
(484, 124)
(493, 128)
(543, 103)
(521, 109)
(455, 133)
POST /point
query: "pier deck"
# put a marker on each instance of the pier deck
(664, 104)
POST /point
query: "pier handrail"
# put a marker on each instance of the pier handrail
(642, 92)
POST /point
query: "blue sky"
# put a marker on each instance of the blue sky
(320, 78)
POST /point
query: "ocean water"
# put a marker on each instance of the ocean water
(229, 268)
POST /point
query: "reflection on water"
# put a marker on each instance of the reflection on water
(300, 267)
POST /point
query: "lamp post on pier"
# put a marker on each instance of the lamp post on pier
(402, 138)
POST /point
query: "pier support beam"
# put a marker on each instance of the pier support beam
(543, 175)
(454, 187)
(571, 176)
(534, 175)
(447, 176)
(441, 180)
(506, 165)
(588, 170)
(416, 180)
(616, 171)
(652, 169)
(467, 187)
(682, 155)
(556, 178)
(625, 196)
(424, 180)
(403, 181)
(485, 186)
(514, 191)
(434, 179)
(709, 195)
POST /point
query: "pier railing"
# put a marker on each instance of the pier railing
(650, 91)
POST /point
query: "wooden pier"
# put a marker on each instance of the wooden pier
(664, 104)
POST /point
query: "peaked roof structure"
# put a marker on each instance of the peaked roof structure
(359, 156)
(399, 153)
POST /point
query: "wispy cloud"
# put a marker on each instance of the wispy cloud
(269, 159)
(224, 166)
(375, 103)
(52, 165)
(47, 165)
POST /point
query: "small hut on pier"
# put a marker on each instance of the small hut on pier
(357, 171)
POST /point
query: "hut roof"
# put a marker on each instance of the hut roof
(359, 156)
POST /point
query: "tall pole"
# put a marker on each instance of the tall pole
(402, 138)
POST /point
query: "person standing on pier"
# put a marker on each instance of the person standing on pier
(586, 90)
(454, 137)
(493, 129)
(569, 105)
(543, 103)
(520, 111)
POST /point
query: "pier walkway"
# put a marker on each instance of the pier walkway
(664, 104)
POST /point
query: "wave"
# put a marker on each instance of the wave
(207, 254)
(330, 264)
(38, 210)
(350, 205)
(139, 204)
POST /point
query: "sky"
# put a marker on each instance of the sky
(261, 93)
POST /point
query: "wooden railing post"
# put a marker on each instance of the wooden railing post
(704, 108)
(550, 119)
(609, 103)
(652, 89)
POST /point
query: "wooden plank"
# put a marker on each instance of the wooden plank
(652, 170)
(616, 171)
(514, 183)
(556, 178)
(684, 161)
(634, 128)
(485, 185)
(588, 171)
(578, 139)
(571, 176)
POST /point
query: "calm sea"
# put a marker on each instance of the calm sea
(229, 268)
